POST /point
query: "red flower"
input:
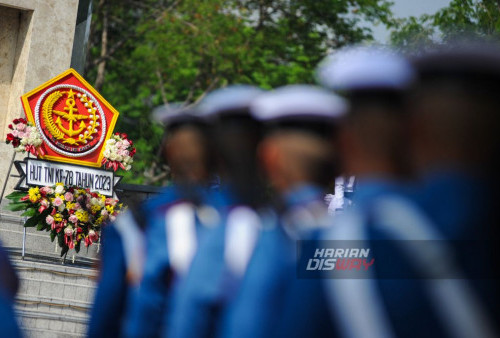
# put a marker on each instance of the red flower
(16, 121)
(123, 135)
(23, 121)
(69, 241)
(10, 126)
(16, 143)
(10, 137)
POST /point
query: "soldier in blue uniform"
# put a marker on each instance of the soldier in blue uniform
(224, 252)
(8, 289)
(371, 148)
(298, 162)
(121, 307)
(455, 118)
(416, 289)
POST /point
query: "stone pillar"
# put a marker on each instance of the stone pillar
(36, 41)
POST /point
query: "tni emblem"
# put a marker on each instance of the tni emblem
(70, 120)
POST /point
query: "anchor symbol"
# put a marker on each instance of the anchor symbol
(70, 116)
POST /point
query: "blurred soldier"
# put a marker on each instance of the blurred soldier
(371, 148)
(124, 248)
(223, 254)
(296, 157)
(420, 290)
(455, 118)
(8, 290)
(455, 142)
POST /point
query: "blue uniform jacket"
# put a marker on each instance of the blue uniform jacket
(261, 302)
(151, 308)
(8, 286)
(403, 299)
(202, 295)
(112, 299)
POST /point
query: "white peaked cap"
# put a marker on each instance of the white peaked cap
(361, 68)
(232, 98)
(298, 102)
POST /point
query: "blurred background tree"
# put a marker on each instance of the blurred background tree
(472, 19)
(146, 53)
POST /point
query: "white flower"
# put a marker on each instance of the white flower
(59, 189)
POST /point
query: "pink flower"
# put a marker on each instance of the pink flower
(15, 133)
(93, 236)
(104, 213)
(68, 231)
(44, 204)
(123, 152)
(49, 220)
(111, 201)
(68, 197)
(46, 191)
(77, 206)
(73, 219)
(20, 126)
(58, 201)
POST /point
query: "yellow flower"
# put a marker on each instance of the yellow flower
(70, 205)
(34, 194)
(82, 215)
(111, 209)
(98, 221)
(58, 217)
(95, 208)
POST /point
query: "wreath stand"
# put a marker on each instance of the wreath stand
(9, 174)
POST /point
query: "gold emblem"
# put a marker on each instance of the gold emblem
(76, 124)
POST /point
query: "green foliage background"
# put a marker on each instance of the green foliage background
(152, 52)
(147, 53)
(461, 19)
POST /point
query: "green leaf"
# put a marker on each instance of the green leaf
(30, 212)
(16, 195)
(64, 250)
(18, 206)
(33, 221)
(60, 239)
(40, 226)
(53, 235)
